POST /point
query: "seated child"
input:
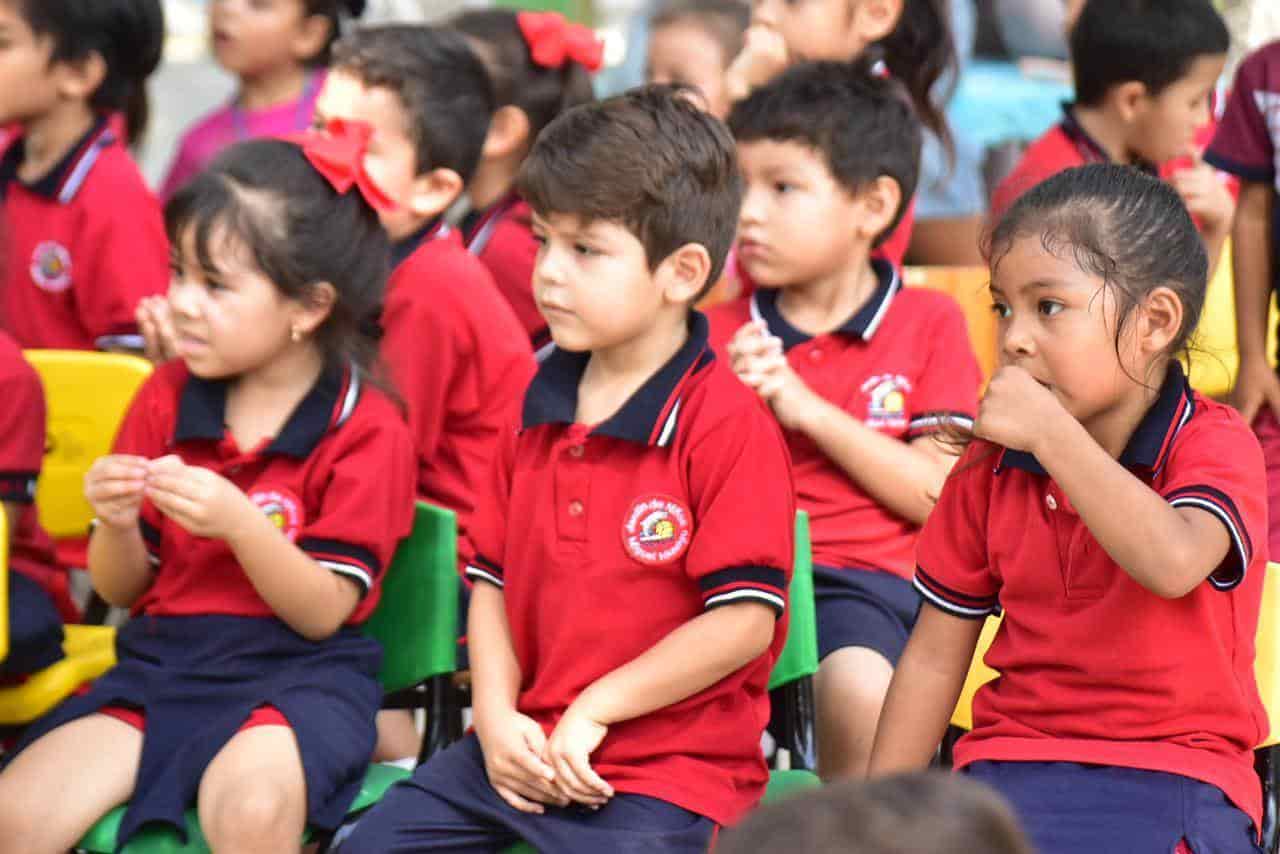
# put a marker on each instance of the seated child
(635, 540)
(861, 373)
(451, 342)
(692, 42)
(1119, 519)
(278, 51)
(1246, 146)
(38, 597)
(1145, 74)
(533, 82)
(83, 239)
(929, 813)
(258, 489)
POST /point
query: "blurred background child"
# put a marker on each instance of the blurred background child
(692, 42)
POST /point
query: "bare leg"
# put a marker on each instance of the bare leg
(398, 736)
(851, 687)
(253, 797)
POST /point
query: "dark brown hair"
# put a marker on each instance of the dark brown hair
(928, 813)
(725, 21)
(648, 159)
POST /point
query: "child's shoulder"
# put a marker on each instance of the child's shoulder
(114, 179)
(719, 401)
(1214, 430)
(727, 318)
(1262, 67)
(15, 370)
(442, 267)
(1052, 152)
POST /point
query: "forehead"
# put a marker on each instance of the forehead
(346, 96)
(1202, 75)
(1027, 262)
(776, 154)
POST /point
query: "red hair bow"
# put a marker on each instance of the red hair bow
(553, 41)
(338, 154)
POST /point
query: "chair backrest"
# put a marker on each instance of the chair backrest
(87, 395)
(968, 287)
(574, 10)
(799, 656)
(417, 618)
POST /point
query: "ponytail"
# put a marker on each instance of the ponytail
(919, 52)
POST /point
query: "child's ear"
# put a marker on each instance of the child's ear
(311, 37)
(508, 133)
(1128, 99)
(874, 20)
(79, 79)
(1159, 320)
(433, 193)
(314, 308)
(879, 203)
(683, 274)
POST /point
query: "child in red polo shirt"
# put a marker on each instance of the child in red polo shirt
(692, 42)
(258, 489)
(452, 342)
(83, 239)
(634, 541)
(540, 66)
(1119, 519)
(1248, 146)
(38, 597)
(861, 373)
(1145, 74)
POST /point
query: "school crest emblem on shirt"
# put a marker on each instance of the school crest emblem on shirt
(657, 530)
(283, 509)
(51, 267)
(887, 401)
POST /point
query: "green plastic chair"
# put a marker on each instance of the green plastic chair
(574, 10)
(791, 683)
(416, 622)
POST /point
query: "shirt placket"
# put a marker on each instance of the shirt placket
(573, 484)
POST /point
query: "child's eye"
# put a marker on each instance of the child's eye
(1049, 307)
(540, 239)
(1000, 310)
(782, 187)
(583, 249)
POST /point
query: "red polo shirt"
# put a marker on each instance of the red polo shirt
(83, 245)
(22, 439)
(460, 360)
(337, 480)
(1094, 667)
(501, 236)
(605, 539)
(901, 364)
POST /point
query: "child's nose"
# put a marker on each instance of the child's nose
(764, 12)
(1016, 341)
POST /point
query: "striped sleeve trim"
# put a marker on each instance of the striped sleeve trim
(953, 601)
(150, 539)
(358, 564)
(1217, 502)
(763, 584)
(928, 423)
(482, 569)
(18, 487)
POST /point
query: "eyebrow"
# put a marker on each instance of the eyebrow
(1035, 284)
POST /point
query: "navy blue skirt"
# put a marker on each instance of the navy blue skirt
(35, 628)
(198, 679)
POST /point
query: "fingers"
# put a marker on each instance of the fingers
(518, 802)
(531, 762)
(576, 773)
(179, 508)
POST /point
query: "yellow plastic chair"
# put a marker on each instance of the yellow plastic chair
(968, 287)
(87, 395)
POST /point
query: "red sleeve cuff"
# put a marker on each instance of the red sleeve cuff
(1215, 501)
(353, 562)
(952, 601)
(762, 584)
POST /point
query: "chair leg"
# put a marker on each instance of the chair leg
(96, 610)
(444, 716)
(1267, 762)
(793, 722)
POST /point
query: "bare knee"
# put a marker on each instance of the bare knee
(398, 736)
(257, 816)
(851, 688)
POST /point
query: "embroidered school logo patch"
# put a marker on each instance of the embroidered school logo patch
(283, 509)
(887, 401)
(657, 530)
(51, 267)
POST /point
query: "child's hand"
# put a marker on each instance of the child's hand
(1206, 195)
(1016, 411)
(155, 322)
(764, 56)
(203, 503)
(1256, 386)
(513, 748)
(759, 361)
(569, 751)
(114, 486)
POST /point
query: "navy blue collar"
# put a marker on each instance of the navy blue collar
(1090, 149)
(64, 180)
(863, 324)
(649, 417)
(402, 249)
(203, 406)
(1149, 445)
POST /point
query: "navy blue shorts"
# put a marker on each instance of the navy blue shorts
(1068, 808)
(199, 678)
(448, 805)
(864, 608)
(35, 628)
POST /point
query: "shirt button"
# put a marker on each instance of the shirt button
(815, 355)
(1051, 502)
(576, 451)
(576, 508)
